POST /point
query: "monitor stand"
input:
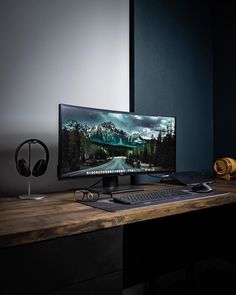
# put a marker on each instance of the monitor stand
(111, 186)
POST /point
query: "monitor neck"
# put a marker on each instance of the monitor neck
(111, 185)
(110, 182)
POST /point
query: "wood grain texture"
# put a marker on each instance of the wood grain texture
(58, 215)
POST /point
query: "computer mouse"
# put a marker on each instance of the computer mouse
(201, 188)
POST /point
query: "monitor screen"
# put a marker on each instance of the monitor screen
(96, 142)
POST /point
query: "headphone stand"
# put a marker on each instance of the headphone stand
(24, 169)
(30, 196)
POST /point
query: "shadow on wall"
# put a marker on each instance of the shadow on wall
(52, 52)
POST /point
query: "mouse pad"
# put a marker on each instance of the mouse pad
(111, 206)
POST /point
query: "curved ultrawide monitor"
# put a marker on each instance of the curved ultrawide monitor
(96, 142)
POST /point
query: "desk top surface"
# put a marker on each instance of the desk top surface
(58, 215)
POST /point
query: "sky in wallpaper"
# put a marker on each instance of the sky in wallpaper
(128, 122)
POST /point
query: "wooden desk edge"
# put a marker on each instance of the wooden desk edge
(112, 219)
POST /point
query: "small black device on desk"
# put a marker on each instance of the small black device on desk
(198, 182)
(191, 178)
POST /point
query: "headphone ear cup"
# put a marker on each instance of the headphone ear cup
(39, 168)
(23, 169)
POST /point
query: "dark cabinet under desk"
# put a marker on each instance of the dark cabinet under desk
(160, 246)
(104, 285)
(86, 264)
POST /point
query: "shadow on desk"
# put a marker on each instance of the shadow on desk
(192, 253)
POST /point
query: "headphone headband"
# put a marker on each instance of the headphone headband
(33, 140)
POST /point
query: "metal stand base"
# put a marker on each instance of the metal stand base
(31, 197)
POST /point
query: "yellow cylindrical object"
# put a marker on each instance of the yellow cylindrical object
(225, 167)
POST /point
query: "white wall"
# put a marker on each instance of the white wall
(57, 51)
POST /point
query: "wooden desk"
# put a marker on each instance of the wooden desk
(58, 215)
(57, 229)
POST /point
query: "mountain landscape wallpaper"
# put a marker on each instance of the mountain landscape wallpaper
(97, 142)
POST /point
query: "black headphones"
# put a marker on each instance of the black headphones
(41, 165)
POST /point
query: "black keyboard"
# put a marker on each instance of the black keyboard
(152, 196)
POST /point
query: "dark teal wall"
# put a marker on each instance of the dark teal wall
(173, 73)
(224, 79)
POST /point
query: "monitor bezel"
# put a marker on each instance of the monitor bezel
(59, 168)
